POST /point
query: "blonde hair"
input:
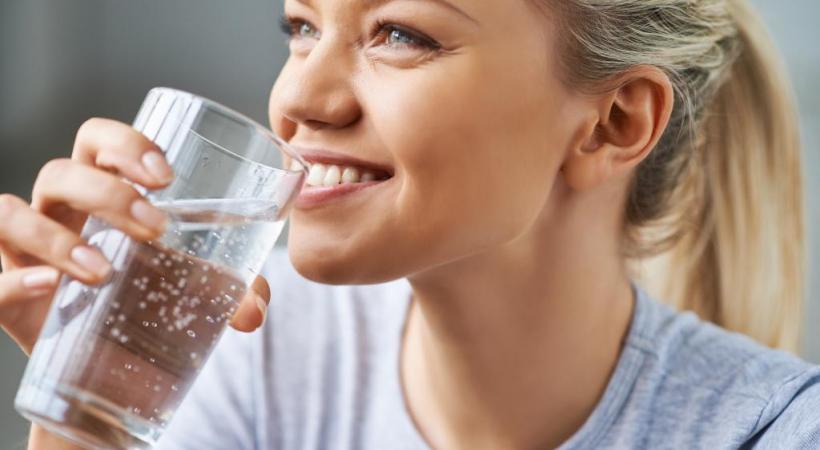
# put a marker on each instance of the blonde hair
(714, 218)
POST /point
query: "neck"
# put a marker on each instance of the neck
(513, 347)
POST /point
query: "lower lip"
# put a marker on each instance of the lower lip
(315, 196)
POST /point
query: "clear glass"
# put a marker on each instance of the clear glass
(113, 362)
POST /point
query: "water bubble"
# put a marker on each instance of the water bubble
(123, 339)
(203, 280)
(155, 261)
(145, 323)
(127, 366)
(233, 287)
(174, 387)
(115, 332)
(142, 305)
(121, 317)
(191, 333)
(209, 319)
(156, 388)
(161, 256)
(194, 355)
(153, 324)
(152, 360)
(170, 328)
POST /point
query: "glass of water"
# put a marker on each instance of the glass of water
(113, 362)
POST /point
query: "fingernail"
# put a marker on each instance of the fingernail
(156, 165)
(148, 215)
(91, 260)
(263, 307)
(40, 279)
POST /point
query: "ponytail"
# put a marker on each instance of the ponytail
(740, 261)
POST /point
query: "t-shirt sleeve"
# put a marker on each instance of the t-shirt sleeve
(798, 424)
(218, 411)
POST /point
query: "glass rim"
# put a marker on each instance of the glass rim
(259, 128)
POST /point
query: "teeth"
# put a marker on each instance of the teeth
(332, 175)
(295, 166)
(316, 176)
(350, 175)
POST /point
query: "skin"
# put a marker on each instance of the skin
(505, 209)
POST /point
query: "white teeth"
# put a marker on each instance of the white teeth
(332, 177)
(295, 166)
(350, 175)
(316, 175)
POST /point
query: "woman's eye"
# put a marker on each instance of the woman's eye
(398, 36)
(297, 28)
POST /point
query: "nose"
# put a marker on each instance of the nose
(315, 91)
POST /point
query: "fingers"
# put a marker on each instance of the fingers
(84, 188)
(24, 284)
(26, 231)
(253, 308)
(121, 149)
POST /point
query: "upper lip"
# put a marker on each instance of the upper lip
(315, 155)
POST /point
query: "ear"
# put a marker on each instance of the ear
(625, 125)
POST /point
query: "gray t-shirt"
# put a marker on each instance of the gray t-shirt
(323, 374)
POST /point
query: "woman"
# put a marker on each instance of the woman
(529, 162)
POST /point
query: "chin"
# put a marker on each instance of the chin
(326, 265)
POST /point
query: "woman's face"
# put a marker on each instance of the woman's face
(460, 102)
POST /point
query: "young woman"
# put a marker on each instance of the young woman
(536, 168)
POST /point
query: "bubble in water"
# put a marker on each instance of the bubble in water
(152, 360)
(115, 332)
(209, 319)
(145, 323)
(121, 317)
(203, 280)
(233, 287)
(156, 388)
(142, 305)
(170, 328)
(127, 366)
(123, 339)
(194, 355)
(191, 333)
(174, 387)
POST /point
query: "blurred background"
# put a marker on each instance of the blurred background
(63, 62)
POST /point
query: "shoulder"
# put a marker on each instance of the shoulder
(706, 381)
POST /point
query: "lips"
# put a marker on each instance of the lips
(333, 175)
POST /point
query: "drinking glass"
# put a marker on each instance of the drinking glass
(113, 361)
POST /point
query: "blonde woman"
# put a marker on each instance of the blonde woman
(496, 187)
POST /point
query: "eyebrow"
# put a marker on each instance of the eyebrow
(374, 3)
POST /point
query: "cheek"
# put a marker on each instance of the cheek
(472, 148)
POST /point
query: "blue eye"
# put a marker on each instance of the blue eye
(297, 28)
(400, 36)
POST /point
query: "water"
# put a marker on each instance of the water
(113, 363)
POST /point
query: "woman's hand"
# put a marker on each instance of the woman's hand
(41, 241)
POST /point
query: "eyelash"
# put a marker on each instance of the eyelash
(290, 27)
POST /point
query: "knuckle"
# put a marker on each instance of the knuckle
(8, 205)
(53, 169)
(116, 194)
(89, 126)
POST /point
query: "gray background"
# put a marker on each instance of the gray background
(64, 61)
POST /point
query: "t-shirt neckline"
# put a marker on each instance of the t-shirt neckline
(603, 416)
